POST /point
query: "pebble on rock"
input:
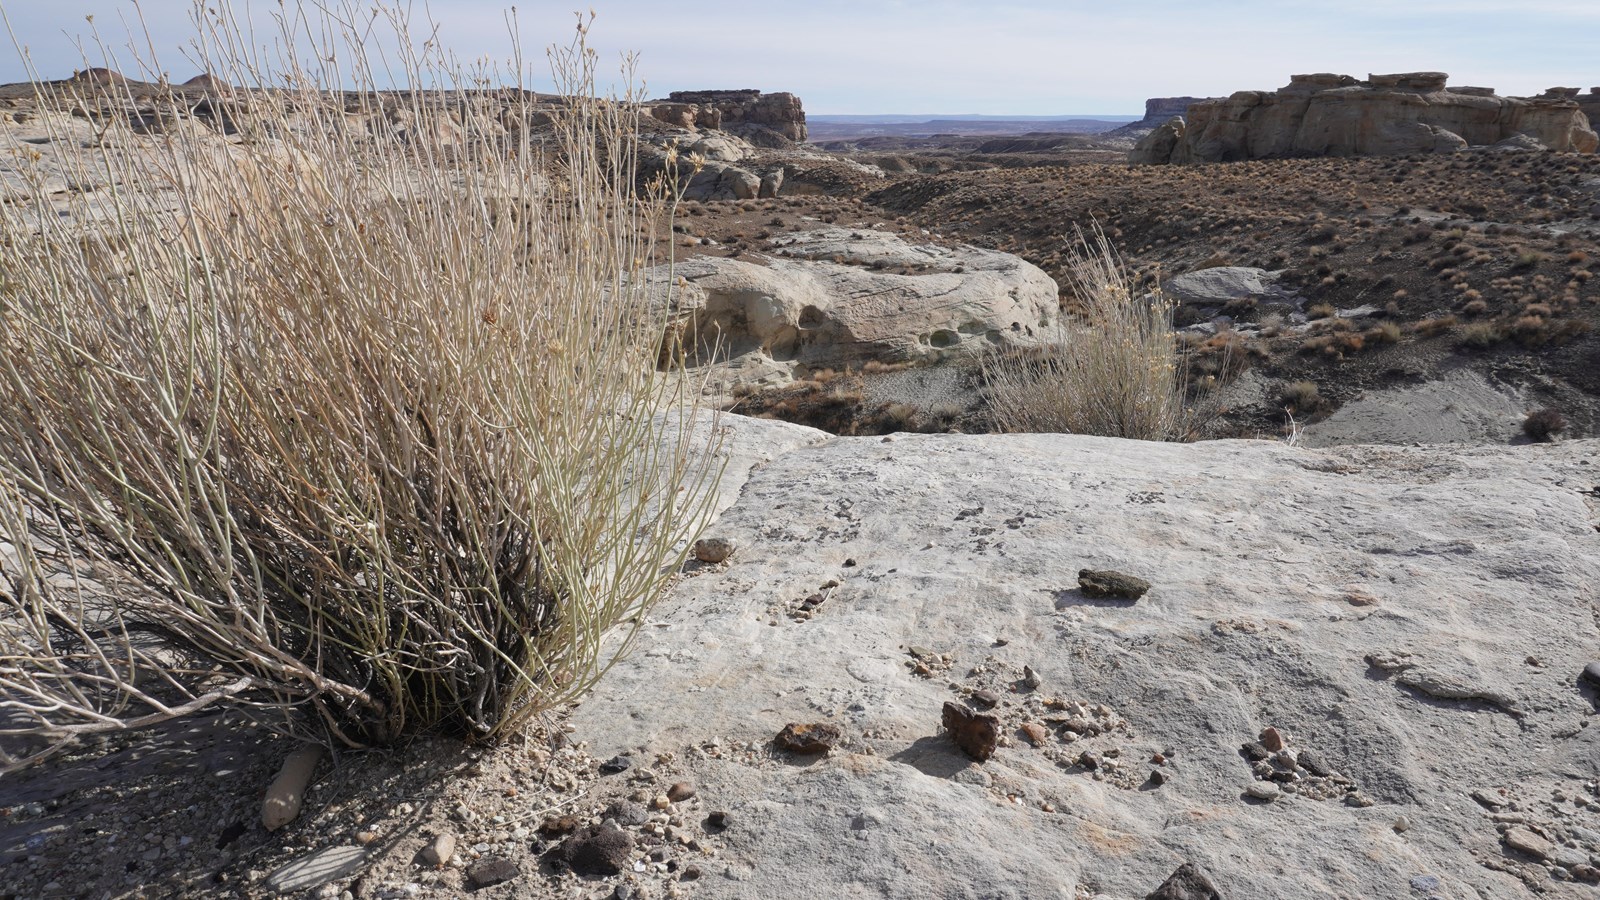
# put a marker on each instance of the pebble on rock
(1035, 733)
(618, 763)
(1523, 840)
(818, 737)
(1272, 739)
(489, 872)
(1031, 678)
(713, 550)
(1110, 584)
(439, 850)
(1264, 791)
(681, 791)
(977, 734)
(1187, 883)
(1591, 673)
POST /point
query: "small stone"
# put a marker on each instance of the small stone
(818, 737)
(681, 791)
(489, 872)
(1187, 883)
(986, 698)
(1031, 678)
(1591, 673)
(1110, 584)
(1158, 778)
(977, 734)
(1358, 800)
(1315, 763)
(626, 812)
(618, 763)
(555, 826)
(1253, 751)
(714, 550)
(717, 820)
(623, 891)
(1401, 825)
(690, 872)
(1264, 791)
(366, 837)
(922, 653)
(1035, 733)
(1272, 739)
(1425, 884)
(662, 801)
(1523, 840)
(598, 851)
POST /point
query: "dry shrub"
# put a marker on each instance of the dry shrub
(1542, 425)
(1116, 370)
(363, 433)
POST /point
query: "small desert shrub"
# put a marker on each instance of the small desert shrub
(1481, 335)
(1116, 369)
(1542, 425)
(366, 437)
(1385, 333)
(1322, 311)
(1302, 396)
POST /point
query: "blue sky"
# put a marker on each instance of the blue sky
(952, 56)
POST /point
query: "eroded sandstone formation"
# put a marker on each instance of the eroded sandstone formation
(1157, 112)
(766, 120)
(1338, 115)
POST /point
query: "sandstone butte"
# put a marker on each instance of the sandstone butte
(1338, 115)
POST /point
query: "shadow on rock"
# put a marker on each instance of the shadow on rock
(935, 756)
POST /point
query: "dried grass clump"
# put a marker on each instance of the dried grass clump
(362, 433)
(1117, 371)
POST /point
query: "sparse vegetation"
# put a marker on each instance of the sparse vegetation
(1543, 425)
(1115, 371)
(369, 440)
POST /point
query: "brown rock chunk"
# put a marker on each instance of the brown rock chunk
(1110, 584)
(1035, 733)
(1187, 883)
(819, 737)
(287, 791)
(596, 851)
(439, 851)
(681, 791)
(976, 734)
(492, 871)
(713, 550)
(1523, 840)
(1272, 739)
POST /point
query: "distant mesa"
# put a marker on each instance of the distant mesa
(1157, 112)
(1325, 114)
(205, 81)
(99, 76)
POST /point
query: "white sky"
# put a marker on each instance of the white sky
(956, 56)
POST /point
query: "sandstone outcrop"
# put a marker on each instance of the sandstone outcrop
(835, 298)
(1337, 115)
(766, 120)
(1357, 673)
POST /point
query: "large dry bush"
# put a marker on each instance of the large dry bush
(352, 419)
(1114, 369)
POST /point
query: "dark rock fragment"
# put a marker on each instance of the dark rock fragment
(818, 737)
(975, 733)
(1109, 584)
(1187, 883)
(597, 851)
(489, 872)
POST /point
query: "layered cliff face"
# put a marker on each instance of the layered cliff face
(763, 119)
(1157, 112)
(1337, 115)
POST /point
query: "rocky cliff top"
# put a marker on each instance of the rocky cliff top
(1327, 114)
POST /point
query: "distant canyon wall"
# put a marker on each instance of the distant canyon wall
(1337, 115)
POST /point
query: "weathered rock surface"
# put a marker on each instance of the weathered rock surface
(749, 113)
(1337, 115)
(836, 298)
(1280, 572)
(1216, 287)
(1157, 112)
